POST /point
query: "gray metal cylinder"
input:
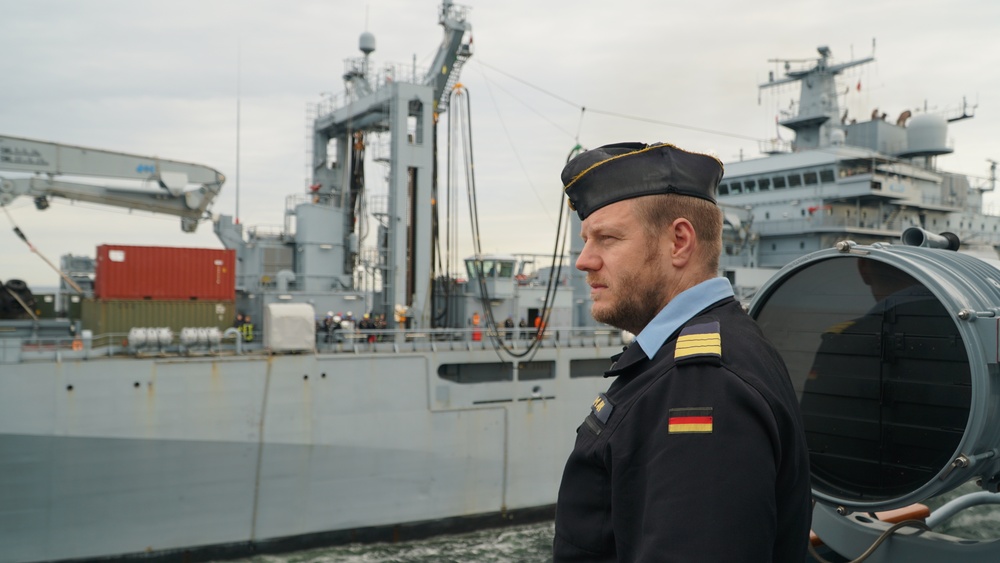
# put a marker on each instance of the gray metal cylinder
(893, 351)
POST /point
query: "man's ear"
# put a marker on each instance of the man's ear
(684, 242)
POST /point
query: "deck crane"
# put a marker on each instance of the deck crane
(48, 161)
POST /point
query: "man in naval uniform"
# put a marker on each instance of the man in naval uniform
(696, 450)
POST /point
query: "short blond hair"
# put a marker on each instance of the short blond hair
(659, 210)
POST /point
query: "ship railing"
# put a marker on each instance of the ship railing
(266, 232)
(774, 146)
(358, 341)
(464, 339)
(375, 76)
(876, 226)
(15, 350)
(820, 223)
(88, 346)
(979, 238)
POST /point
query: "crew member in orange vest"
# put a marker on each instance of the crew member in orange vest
(477, 335)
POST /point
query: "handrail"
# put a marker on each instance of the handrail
(353, 341)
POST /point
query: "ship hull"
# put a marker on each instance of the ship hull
(116, 456)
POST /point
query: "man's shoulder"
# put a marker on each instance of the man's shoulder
(726, 338)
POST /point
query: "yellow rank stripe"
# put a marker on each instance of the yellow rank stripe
(696, 344)
(691, 428)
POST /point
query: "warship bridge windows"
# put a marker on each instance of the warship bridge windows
(794, 180)
(826, 176)
(855, 167)
(764, 184)
(491, 268)
(810, 178)
(749, 186)
(723, 189)
(893, 353)
(779, 182)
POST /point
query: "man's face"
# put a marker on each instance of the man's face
(626, 276)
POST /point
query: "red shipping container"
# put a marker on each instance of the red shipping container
(161, 273)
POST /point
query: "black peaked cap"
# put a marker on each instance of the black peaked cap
(612, 173)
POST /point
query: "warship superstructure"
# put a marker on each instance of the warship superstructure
(884, 309)
(842, 178)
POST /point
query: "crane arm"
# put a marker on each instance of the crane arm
(47, 161)
(451, 55)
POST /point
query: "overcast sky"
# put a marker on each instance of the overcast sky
(161, 78)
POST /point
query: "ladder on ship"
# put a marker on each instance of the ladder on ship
(463, 54)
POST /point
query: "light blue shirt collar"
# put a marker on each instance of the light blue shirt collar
(680, 310)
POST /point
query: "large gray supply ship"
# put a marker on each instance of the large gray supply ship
(155, 442)
(146, 444)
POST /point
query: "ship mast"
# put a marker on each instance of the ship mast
(819, 111)
(405, 105)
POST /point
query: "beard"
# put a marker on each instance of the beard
(637, 299)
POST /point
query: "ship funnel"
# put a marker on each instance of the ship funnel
(915, 236)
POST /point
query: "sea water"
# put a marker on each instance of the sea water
(530, 543)
(533, 543)
(975, 523)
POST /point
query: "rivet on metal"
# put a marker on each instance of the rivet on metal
(845, 245)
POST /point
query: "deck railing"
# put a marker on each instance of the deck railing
(21, 349)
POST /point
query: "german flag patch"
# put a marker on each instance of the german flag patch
(694, 420)
(700, 342)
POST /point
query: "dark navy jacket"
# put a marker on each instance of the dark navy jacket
(697, 454)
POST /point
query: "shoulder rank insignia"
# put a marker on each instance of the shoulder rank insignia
(699, 343)
(695, 420)
(602, 408)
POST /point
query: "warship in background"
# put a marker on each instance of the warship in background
(150, 440)
(884, 309)
(844, 179)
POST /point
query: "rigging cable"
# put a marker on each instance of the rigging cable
(462, 113)
(617, 114)
(760, 142)
(513, 145)
(437, 265)
(20, 234)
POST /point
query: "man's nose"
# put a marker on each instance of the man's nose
(588, 261)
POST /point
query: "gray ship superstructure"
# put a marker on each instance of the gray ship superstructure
(846, 179)
(158, 442)
(884, 309)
